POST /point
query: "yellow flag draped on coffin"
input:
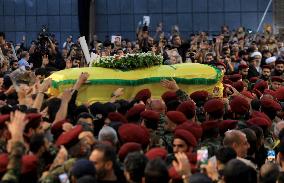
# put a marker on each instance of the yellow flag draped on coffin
(103, 81)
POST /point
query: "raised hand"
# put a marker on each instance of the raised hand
(45, 85)
(118, 92)
(170, 84)
(66, 96)
(45, 60)
(181, 165)
(17, 125)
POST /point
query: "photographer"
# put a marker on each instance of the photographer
(43, 46)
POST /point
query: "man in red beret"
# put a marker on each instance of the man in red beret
(214, 109)
(210, 136)
(276, 82)
(240, 108)
(173, 118)
(221, 66)
(270, 107)
(143, 95)
(159, 106)
(183, 141)
(133, 114)
(150, 120)
(188, 109)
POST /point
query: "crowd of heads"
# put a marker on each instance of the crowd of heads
(179, 137)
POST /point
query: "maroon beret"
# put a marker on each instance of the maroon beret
(239, 105)
(169, 96)
(29, 164)
(176, 117)
(157, 152)
(208, 125)
(279, 93)
(151, 116)
(187, 108)
(220, 64)
(4, 160)
(134, 112)
(214, 106)
(267, 103)
(69, 138)
(227, 81)
(247, 94)
(256, 114)
(56, 128)
(239, 85)
(32, 116)
(192, 127)
(235, 77)
(201, 95)
(261, 86)
(4, 118)
(185, 136)
(277, 79)
(143, 95)
(117, 117)
(253, 79)
(128, 148)
(258, 121)
(257, 92)
(226, 125)
(269, 92)
(243, 66)
(134, 133)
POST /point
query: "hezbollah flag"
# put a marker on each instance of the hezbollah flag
(103, 81)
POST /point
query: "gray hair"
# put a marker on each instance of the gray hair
(107, 133)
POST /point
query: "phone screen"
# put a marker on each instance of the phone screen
(63, 178)
(202, 155)
(271, 155)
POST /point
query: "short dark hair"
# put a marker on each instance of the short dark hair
(236, 171)
(252, 140)
(255, 104)
(36, 142)
(156, 171)
(151, 124)
(281, 177)
(135, 164)
(2, 34)
(269, 173)
(108, 151)
(225, 154)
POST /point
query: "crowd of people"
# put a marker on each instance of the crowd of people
(180, 137)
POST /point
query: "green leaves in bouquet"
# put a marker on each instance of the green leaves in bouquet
(130, 61)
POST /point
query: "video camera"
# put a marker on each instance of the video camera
(43, 40)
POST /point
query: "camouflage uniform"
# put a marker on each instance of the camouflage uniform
(155, 140)
(161, 123)
(13, 174)
(182, 95)
(167, 139)
(241, 124)
(52, 177)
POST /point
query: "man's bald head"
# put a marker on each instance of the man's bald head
(238, 141)
(157, 105)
